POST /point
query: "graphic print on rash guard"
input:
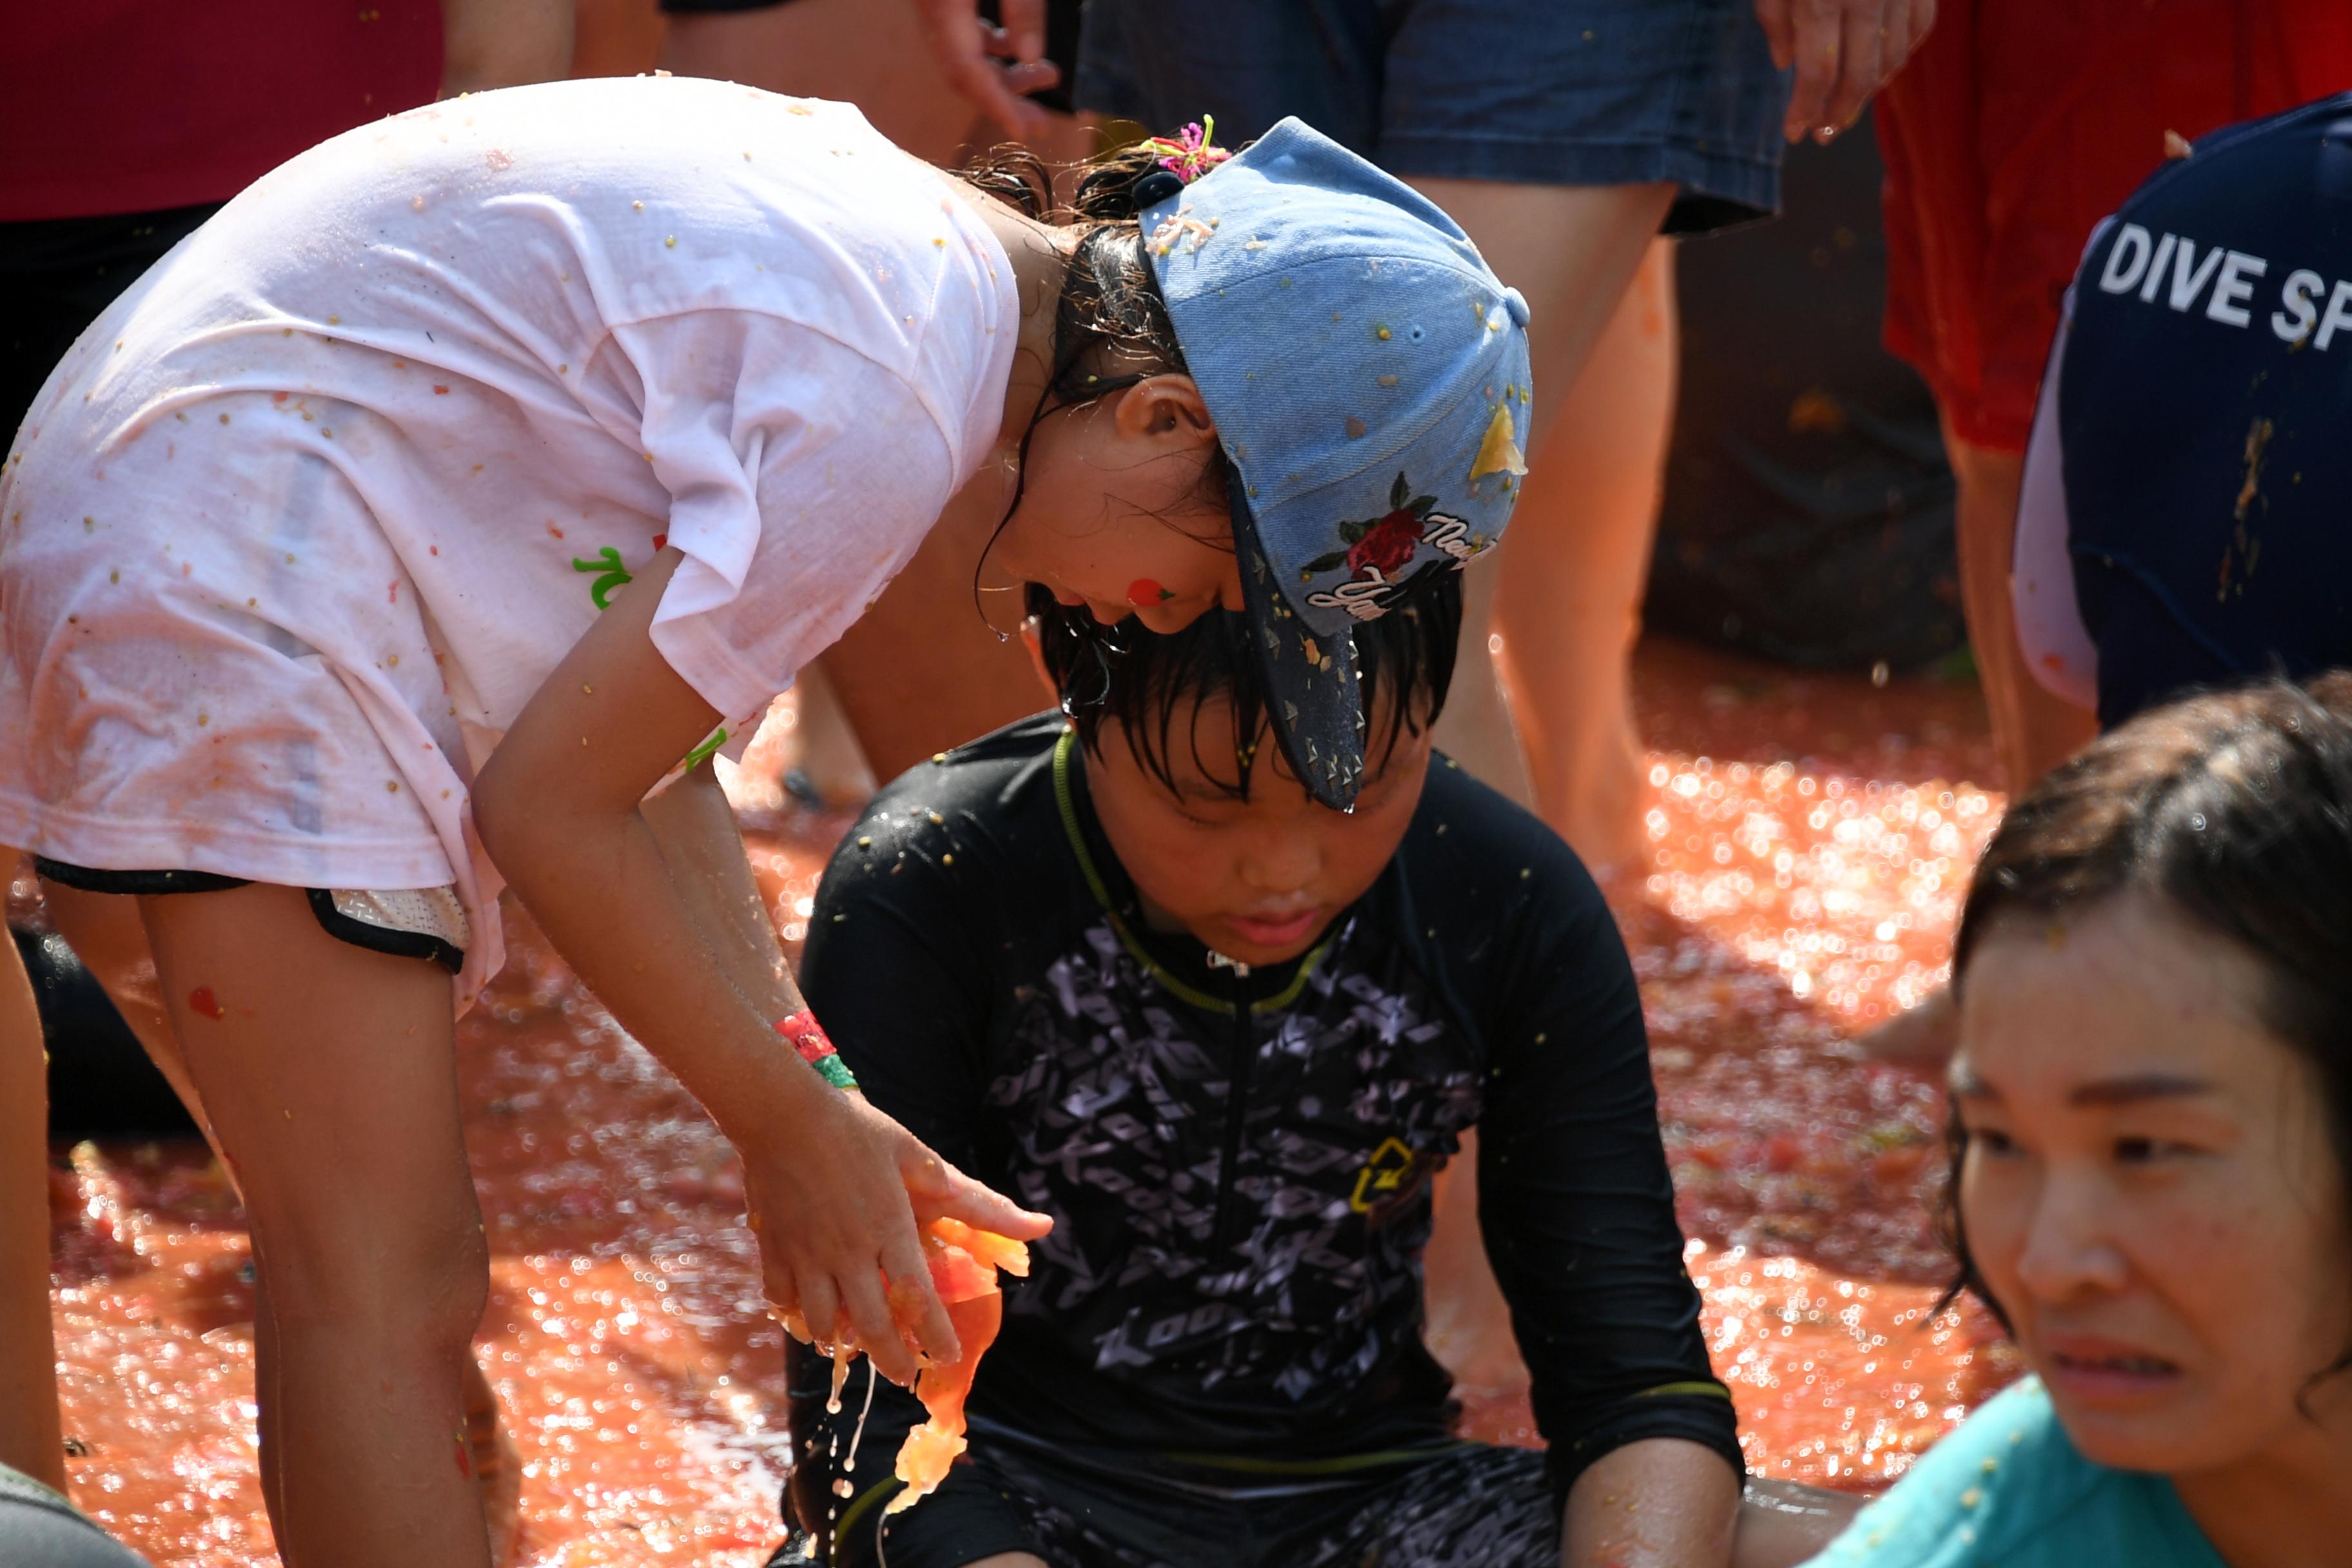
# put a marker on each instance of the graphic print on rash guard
(1237, 1164)
(1124, 1120)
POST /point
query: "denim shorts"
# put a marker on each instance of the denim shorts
(1550, 92)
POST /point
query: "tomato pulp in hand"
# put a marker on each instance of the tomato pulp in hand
(963, 1262)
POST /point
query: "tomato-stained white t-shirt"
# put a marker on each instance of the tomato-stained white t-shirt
(307, 516)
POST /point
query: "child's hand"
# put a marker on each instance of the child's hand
(836, 1211)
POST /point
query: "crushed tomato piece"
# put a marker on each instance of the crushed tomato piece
(964, 1262)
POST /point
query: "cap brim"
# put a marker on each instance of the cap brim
(1312, 699)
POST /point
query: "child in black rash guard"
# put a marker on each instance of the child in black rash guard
(1121, 966)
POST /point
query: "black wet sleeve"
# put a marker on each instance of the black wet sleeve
(895, 971)
(1575, 1201)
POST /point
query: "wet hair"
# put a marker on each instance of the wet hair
(1145, 682)
(2232, 810)
(1111, 327)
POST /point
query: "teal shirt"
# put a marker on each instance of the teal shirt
(2007, 1489)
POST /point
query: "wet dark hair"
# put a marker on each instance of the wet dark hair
(2233, 810)
(1143, 681)
(1111, 327)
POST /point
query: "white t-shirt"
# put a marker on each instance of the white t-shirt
(306, 517)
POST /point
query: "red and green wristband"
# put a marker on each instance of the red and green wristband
(807, 1036)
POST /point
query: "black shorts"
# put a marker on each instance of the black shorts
(1447, 1504)
(355, 918)
(1549, 92)
(58, 274)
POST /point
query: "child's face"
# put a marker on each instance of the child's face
(1114, 514)
(2149, 1189)
(1256, 879)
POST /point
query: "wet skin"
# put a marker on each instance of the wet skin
(1257, 879)
(1115, 515)
(2150, 1193)
(1109, 492)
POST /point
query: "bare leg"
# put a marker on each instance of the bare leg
(616, 38)
(1572, 251)
(826, 747)
(106, 933)
(1923, 1036)
(2033, 731)
(920, 671)
(1574, 568)
(1571, 603)
(1479, 727)
(1469, 1323)
(30, 1437)
(852, 51)
(1782, 1523)
(329, 1076)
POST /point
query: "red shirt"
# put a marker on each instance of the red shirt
(2018, 125)
(120, 106)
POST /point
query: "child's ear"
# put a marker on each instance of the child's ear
(1035, 644)
(1167, 408)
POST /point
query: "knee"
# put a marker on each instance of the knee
(424, 1288)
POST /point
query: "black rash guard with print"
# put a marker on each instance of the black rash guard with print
(1237, 1164)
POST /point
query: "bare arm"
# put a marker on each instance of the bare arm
(704, 849)
(1658, 1503)
(661, 934)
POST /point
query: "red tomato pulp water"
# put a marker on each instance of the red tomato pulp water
(1809, 838)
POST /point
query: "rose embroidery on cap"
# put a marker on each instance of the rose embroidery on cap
(1389, 543)
(1386, 543)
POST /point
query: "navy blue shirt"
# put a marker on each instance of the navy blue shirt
(2204, 403)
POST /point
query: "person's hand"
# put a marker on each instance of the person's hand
(1843, 50)
(836, 1207)
(994, 66)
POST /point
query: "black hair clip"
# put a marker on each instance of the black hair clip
(1155, 188)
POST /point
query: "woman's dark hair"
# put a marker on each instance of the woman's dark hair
(1143, 681)
(1111, 327)
(2234, 810)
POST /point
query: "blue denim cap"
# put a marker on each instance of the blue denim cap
(1368, 375)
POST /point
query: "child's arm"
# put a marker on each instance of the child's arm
(1658, 1503)
(828, 1178)
(1577, 1208)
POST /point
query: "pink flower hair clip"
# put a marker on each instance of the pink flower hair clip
(1191, 153)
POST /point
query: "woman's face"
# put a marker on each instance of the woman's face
(2148, 1187)
(1114, 514)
